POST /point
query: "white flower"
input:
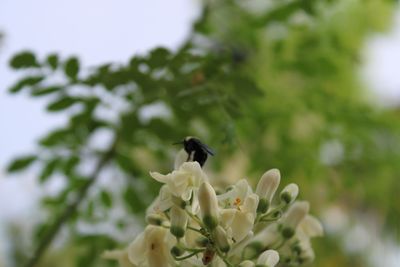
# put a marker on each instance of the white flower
(310, 227)
(240, 220)
(208, 205)
(236, 195)
(183, 181)
(267, 187)
(268, 237)
(293, 217)
(221, 239)
(289, 193)
(120, 255)
(179, 219)
(162, 203)
(246, 263)
(241, 212)
(152, 248)
(268, 258)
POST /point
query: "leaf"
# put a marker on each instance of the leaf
(28, 81)
(70, 164)
(45, 90)
(52, 60)
(158, 57)
(48, 170)
(106, 199)
(133, 201)
(54, 138)
(124, 162)
(71, 68)
(21, 163)
(61, 104)
(25, 59)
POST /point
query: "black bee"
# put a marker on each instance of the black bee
(196, 150)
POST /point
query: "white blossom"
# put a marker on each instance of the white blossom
(267, 187)
(268, 258)
(189, 225)
(152, 248)
(208, 205)
(183, 181)
(293, 217)
(289, 193)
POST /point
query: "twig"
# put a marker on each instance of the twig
(69, 210)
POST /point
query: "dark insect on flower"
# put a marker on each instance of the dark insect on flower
(196, 150)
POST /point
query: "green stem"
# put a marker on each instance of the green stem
(189, 255)
(194, 217)
(195, 229)
(228, 264)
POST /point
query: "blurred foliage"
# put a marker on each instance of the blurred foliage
(265, 83)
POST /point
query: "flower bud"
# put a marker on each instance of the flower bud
(221, 239)
(208, 205)
(266, 189)
(289, 193)
(268, 258)
(176, 251)
(179, 220)
(293, 217)
(307, 255)
(311, 227)
(155, 219)
(246, 263)
(253, 249)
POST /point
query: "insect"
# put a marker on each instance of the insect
(208, 256)
(196, 150)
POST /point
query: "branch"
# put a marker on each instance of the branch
(69, 209)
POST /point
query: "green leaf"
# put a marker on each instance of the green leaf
(71, 68)
(62, 103)
(52, 60)
(158, 57)
(28, 81)
(54, 138)
(21, 163)
(124, 162)
(133, 201)
(70, 164)
(25, 59)
(48, 170)
(106, 199)
(45, 90)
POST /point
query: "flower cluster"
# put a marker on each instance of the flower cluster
(190, 224)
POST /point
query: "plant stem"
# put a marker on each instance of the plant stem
(69, 210)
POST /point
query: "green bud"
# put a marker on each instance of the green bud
(210, 222)
(287, 232)
(176, 251)
(289, 193)
(263, 206)
(202, 241)
(177, 231)
(252, 250)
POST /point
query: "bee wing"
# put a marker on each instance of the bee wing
(207, 149)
